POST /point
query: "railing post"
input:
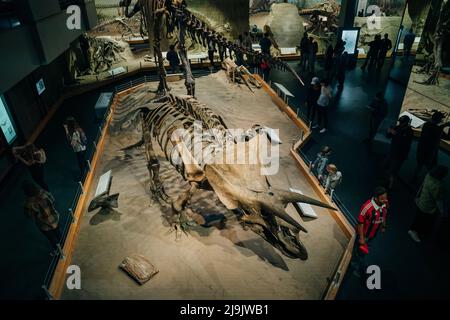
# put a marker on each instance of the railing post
(72, 215)
(60, 251)
(89, 164)
(47, 293)
(82, 188)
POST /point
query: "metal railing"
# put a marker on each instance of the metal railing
(333, 196)
(69, 215)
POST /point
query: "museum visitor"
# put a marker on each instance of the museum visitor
(34, 159)
(371, 221)
(40, 206)
(401, 138)
(78, 141)
(429, 204)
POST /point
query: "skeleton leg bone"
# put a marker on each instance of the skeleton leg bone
(156, 185)
(183, 217)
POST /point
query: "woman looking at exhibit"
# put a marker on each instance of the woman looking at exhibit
(323, 102)
(77, 140)
(34, 159)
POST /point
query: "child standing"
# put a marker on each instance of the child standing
(321, 161)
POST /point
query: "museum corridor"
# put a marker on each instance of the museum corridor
(402, 260)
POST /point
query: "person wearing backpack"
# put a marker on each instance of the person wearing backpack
(77, 140)
(39, 206)
(34, 159)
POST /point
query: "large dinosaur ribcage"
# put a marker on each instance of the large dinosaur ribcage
(188, 133)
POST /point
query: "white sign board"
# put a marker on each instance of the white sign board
(288, 50)
(197, 56)
(416, 122)
(117, 71)
(40, 86)
(103, 183)
(283, 89)
(306, 209)
(272, 135)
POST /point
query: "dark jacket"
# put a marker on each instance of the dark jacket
(374, 48)
(379, 108)
(304, 45)
(401, 142)
(312, 95)
(265, 44)
(386, 45)
(429, 141)
(172, 57)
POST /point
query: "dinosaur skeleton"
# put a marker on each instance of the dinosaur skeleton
(173, 15)
(442, 32)
(240, 74)
(171, 122)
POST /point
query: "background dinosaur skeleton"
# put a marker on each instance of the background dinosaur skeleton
(164, 18)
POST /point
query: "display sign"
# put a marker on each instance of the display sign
(6, 122)
(40, 86)
(351, 40)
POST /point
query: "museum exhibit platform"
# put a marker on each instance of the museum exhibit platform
(215, 260)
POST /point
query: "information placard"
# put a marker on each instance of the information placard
(6, 122)
(40, 86)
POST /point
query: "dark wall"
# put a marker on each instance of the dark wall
(29, 108)
(42, 37)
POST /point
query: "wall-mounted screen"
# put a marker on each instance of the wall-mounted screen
(40, 86)
(6, 122)
(351, 40)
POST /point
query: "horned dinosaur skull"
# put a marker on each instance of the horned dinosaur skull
(245, 190)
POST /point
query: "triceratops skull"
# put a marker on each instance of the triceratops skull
(245, 190)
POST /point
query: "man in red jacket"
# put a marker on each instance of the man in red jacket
(371, 220)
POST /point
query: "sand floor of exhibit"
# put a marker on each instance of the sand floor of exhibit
(212, 262)
(421, 96)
